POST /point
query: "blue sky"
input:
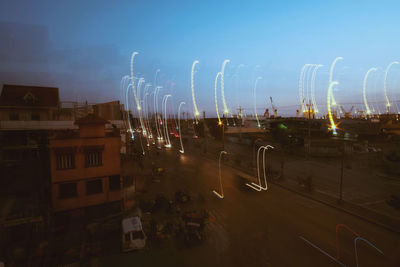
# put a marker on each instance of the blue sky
(84, 47)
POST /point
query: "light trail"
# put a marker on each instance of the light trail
(133, 80)
(216, 97)
(146, 111)
(367, 110)
(334, 102)
(162, 130)
(127, 108)
(155, 77)
(226, 61)
(385, 87)
(196, 111)
(308, 81)
(179, 126)
(140, 82)
(322, 251)
(366, 241)
(314, 103)
(157, 90)
(124, 80)
(329, 95)
(258, 187)
(143, 123)
(301, 86)
(146, 119)
(166, 122)
(255, 105)
(338, 226)
(220, 195)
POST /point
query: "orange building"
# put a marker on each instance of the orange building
(85, 166)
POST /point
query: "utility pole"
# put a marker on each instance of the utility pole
(223, 133)
(240, 121)
(341, 175)
(309, 130)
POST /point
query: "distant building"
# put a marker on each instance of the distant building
(109, 110)
(85, 166)
(29, 103)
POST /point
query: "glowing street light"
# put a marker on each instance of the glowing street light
(196, 111)
(384, 85)
(220, 195)
(332, 122)
(127, 108)
(367, 110)
(179, 122)
(301, 85)
(133, 80)
(255, 100)
(334, 102)
(258, 187)
(166, 122)
(156, 91)
(314, 103)
(216, 97)
(226, 61)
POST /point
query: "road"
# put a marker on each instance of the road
(271, 228)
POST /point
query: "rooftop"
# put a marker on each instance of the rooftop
(30, 96)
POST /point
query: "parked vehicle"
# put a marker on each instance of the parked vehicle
(133, 236)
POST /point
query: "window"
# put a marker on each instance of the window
(67, 190)
(93, 158)
(94, 187)
(14, 116)
(127, 237)
(114, 182)
(35, 117)
(137, 235)
(65, 161)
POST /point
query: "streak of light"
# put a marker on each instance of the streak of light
(329, 95)
(216, 97)
(301, 86)
(334, 102)
(220, 195)
(366, 241)
(226, 61)
(156, 91)
(367, 110)
(127, 108)
(322, 251)
(385, 87)
(258, 187)
(196, 111)
(255, 100)
(314, 103)
(179, 126)
(133, 80)
(166, 122)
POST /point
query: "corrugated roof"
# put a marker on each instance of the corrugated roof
(36, 96)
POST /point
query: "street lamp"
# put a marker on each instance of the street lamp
(179, 125)
(220, 179)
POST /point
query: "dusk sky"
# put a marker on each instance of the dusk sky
(84, 48)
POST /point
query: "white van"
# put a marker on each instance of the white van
(133, 236)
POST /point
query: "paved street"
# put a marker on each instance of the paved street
(271, 228)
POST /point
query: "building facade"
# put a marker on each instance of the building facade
(85, 166)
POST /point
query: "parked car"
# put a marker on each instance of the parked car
(133, 236)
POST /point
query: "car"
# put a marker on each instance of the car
(133, 237)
